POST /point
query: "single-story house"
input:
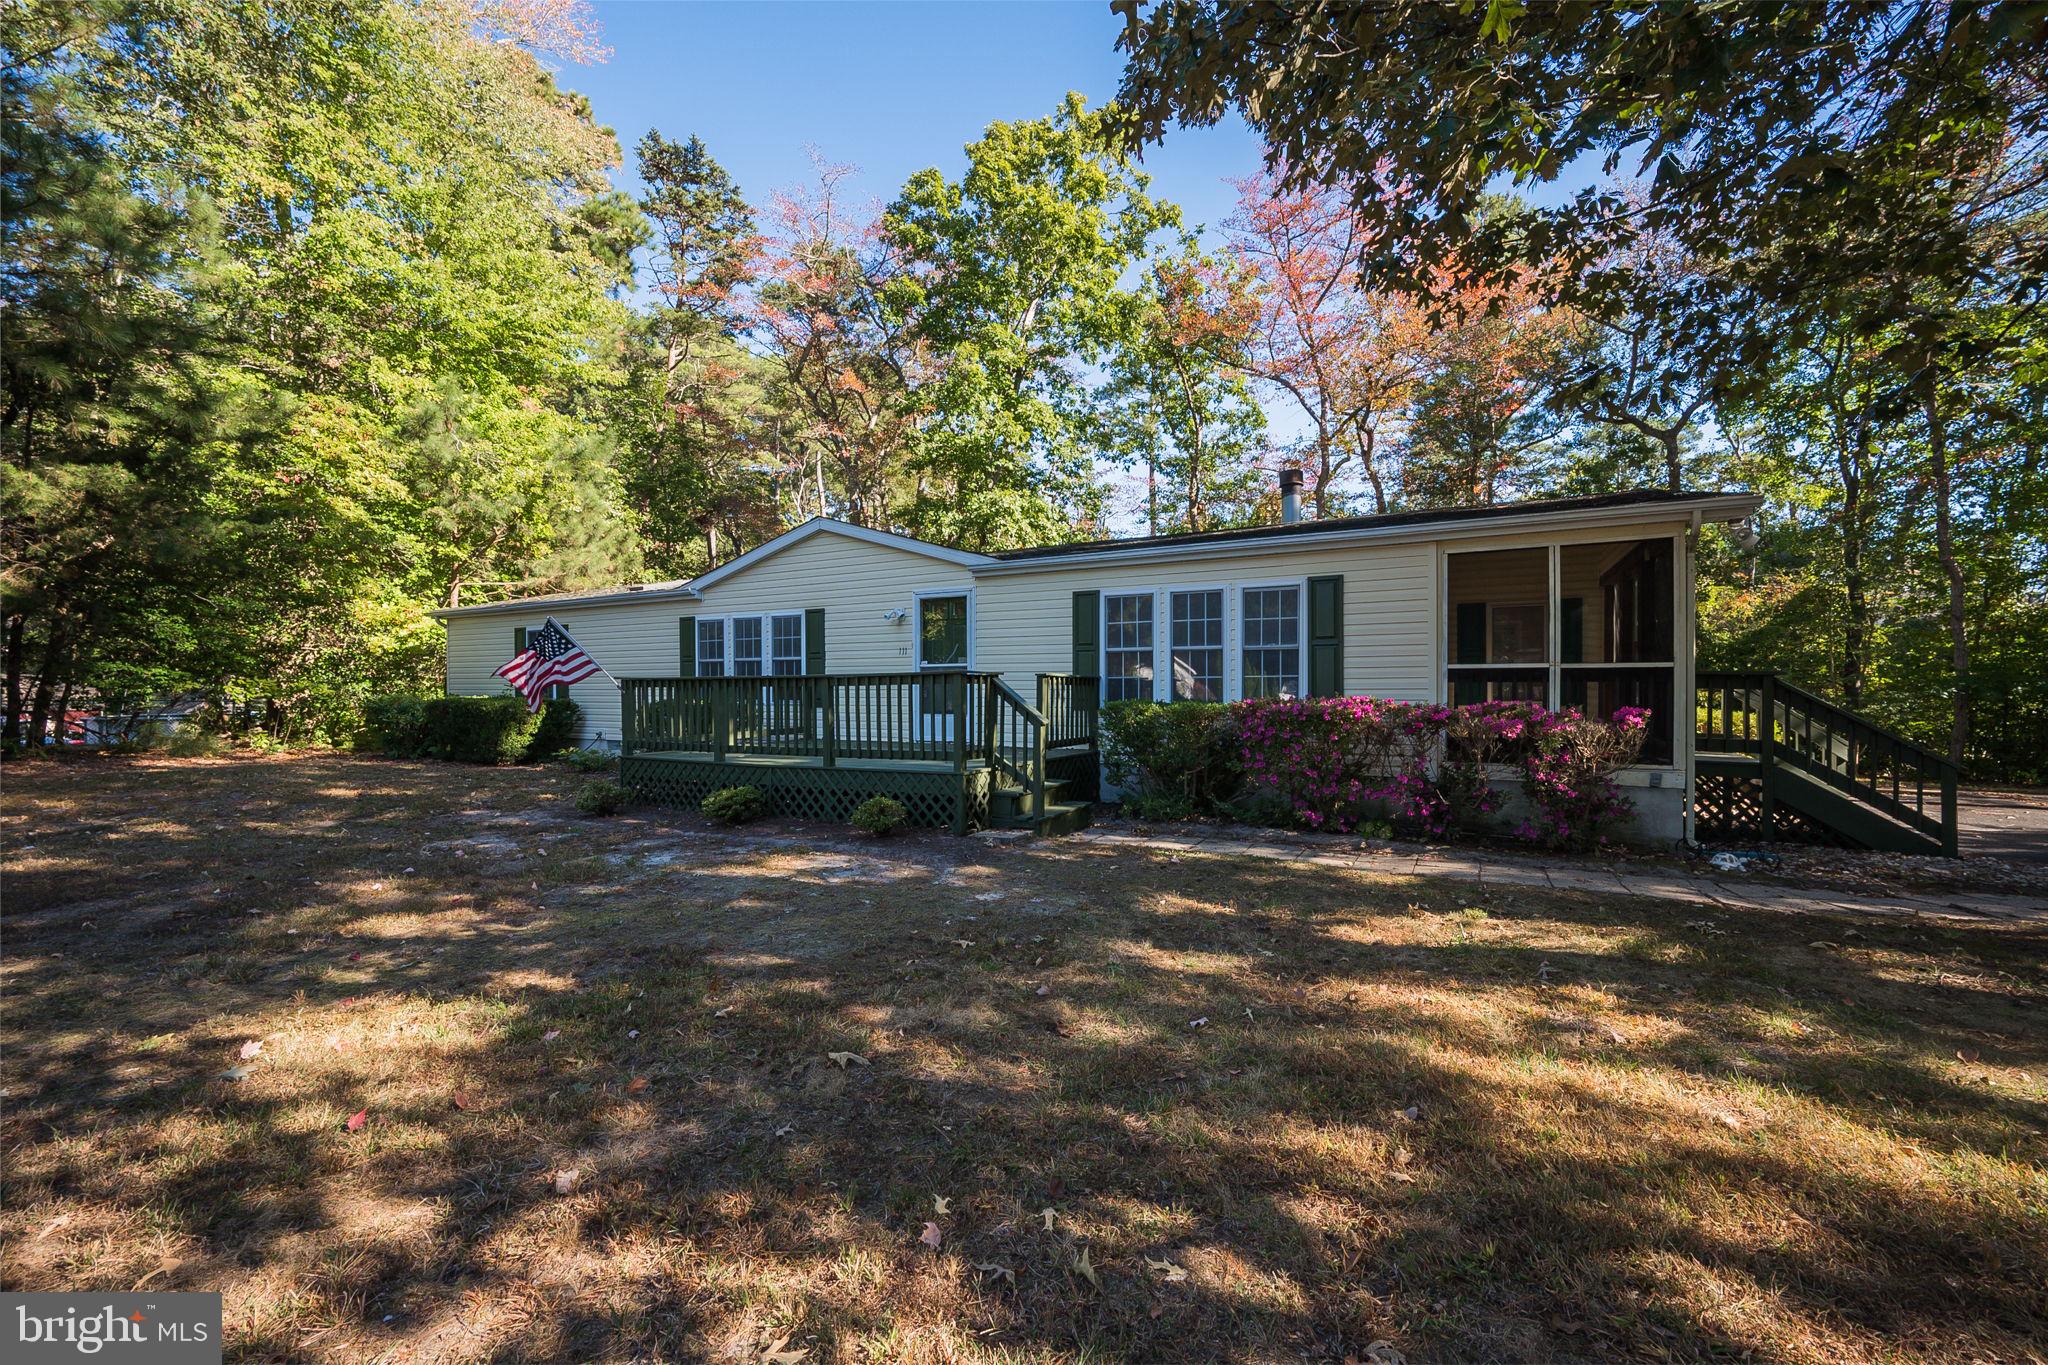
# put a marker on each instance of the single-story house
(837, 649)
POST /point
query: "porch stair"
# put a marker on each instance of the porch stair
(1011, 806)
(1774, 762)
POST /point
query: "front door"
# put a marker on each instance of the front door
(941, 650)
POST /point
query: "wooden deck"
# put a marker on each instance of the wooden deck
(959, 750)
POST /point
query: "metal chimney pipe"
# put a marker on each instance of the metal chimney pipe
(1290, 496)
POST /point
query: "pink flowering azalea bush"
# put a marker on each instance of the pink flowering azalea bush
(1326, 760)
(1568, 767)
(1332, 762)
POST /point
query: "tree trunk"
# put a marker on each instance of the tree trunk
(55, 663)
(10, 733)
(1856, 633)
(1945, 551)
(63, 710)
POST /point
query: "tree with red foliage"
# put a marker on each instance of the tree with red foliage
(1343, 356)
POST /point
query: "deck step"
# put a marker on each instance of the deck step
(1009, 808)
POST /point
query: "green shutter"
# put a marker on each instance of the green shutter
(814, 641)
(1326, 636)
(687, 650)
(519, 639)
(1471, 633)
(1571, 620)
(1087, 634)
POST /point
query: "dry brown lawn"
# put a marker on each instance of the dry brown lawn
(1149, 1107)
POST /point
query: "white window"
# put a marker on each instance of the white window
(1196, 622)
(1270, 626)
(787, 646)
(750, 646)
(1127, 647)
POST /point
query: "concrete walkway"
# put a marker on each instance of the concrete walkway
(1490, 869)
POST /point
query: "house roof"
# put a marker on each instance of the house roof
(1715, 506)
(1383, 520)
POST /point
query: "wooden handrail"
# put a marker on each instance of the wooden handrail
(1777, 721)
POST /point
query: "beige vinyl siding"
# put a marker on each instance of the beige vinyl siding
(855, 581)
(1025, 621)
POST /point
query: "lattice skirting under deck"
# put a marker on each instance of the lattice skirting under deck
(1081, 772)
(1728, 807)
(937, 800)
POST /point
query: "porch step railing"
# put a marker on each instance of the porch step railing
(1070, 704)
(1782, 725)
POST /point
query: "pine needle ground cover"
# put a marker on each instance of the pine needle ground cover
(412, 1061)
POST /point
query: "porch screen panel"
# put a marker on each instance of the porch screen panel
(1498, 626)
(1272, 642)
(1127, 647)
(1626, 635)
(1197, 638)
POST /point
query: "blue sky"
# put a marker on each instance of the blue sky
(891, 88)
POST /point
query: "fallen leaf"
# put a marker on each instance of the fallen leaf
(356, 1120)
(721, 1013)
(844, 1057)
(1732, 1122)
(632, 1033)
(637, 1085)
(1383, 1353)
(1086, 1268)
(460, 1100)
(234, 1073)
(59, 1221)
(931, 1236)
(991, 1268)
(1046, 1214)
(1202, 1022)
(551, 1035)
(565, 1181)
(778, 1354)
(1966, 1055)
(1413, 1113)
(252, 1048)
(1173, 1273)
(1045, 990)
(941, 1205)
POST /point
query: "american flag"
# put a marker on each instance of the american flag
(550, 658)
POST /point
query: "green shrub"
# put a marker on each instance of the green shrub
(139, 739)
(466, 729)
(880, 815)
(561, 720)
(1186, 749)
(736, 805)
(1159, 806)
(395, 726)
(189, 741)
(586, 760)
(601, 798)
(480, 729)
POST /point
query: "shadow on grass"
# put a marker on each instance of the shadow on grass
(1478, 1124)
